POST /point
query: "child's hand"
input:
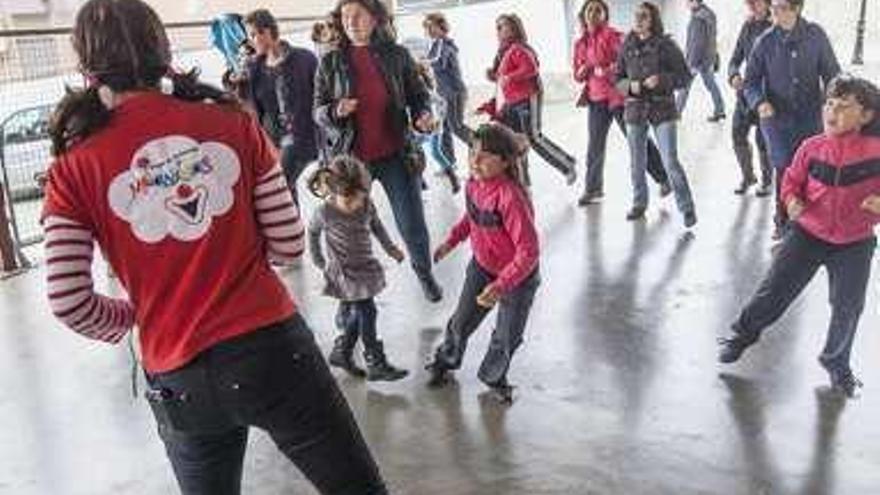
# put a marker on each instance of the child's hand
(794, 208)
(396, 254)
(488, 297)
(441, 252)
(871, 204)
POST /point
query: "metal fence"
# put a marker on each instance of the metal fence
(35, 68)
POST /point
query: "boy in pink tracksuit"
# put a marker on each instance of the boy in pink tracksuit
(500, 224)
(832, 194)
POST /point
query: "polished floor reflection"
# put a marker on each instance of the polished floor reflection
(618, 389)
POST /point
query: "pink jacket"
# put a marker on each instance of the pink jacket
(598, 50)
(832, 176)
(517, 74)
(500, 223)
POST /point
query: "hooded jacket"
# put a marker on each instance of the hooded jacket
(640, 59)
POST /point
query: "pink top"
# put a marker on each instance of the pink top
(517, 74)
(595, 63)
(500, 223)
(832, 176)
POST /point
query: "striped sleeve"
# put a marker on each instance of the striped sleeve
(278, 218)
(72, 298)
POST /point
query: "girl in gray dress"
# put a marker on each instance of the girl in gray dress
(347, 218)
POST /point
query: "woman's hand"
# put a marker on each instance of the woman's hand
(489, 297)
(425, 123)
(652, 82)
(346, 107)
(766, 110)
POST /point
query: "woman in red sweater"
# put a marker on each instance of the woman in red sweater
(500, 223)
(189, 209)
(518, 99)
(595, 63)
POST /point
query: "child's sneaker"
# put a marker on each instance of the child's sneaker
(342, 356)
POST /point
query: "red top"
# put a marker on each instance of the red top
(500, 223)
(167, 189)
(595, 64)
(517, 75)
(375, 137)
(832, 176)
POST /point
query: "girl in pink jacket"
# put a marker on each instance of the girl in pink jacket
(500, 224)
(832, 194)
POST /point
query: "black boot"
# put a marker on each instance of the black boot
(438, 375)
(453, 180)
(378, 367)
(432, 290)
(731, 348)
(342, 355)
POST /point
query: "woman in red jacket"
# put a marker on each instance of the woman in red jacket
(595, 61)
(518, 99)
(188, 209)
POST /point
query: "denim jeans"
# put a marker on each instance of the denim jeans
(513, 312)
(744, 119)
(404, 191)
(600, 118)
(358, 320)
(799, 258)
(274, 379)
(293, 165)
(783, 134)
(708, 77)
(667, 141)
(453, 124)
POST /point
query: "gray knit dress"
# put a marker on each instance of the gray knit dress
(351, 272)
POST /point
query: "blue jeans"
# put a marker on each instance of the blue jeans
(432, 144)
(667, 141)
(708, 77)
(357, 319)
(404, 191)
(513, 312)
(799, 258)
(275, 379)
(293, 164)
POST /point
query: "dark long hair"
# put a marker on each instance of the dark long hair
(656, 19)
(498, 139)
(121, 44)
(583, 12)
(519, 36)
(384, 32)
(344, 176)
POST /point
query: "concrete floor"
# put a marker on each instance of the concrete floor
(618, 389)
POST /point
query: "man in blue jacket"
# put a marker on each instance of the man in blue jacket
(786, 75)
(702, 55)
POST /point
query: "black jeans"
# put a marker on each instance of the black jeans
(453, 123)
(357, 319)
(599, 122)
(525, 117)
(275, 379)
(744, 120)
(798, 259)
(513, 312)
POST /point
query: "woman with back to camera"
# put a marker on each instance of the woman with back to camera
(189, 209)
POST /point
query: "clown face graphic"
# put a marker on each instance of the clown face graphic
(175, 186)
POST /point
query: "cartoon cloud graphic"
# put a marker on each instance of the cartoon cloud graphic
(175, 186)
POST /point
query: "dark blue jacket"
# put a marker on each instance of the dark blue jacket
(443, 56)
(748, 34)
(295, 83)
(791, 69)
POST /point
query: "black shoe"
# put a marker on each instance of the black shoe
(731, 348)
(745, 185)
(378, 367)
(438, 375)
(765, 190)
(342, 356)
(665, 189)
(635, 213)
(718, 117)
(590, 197)
(844, 382)
(433, 291)
(503, 393)
(453, 180)
(690, 219)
